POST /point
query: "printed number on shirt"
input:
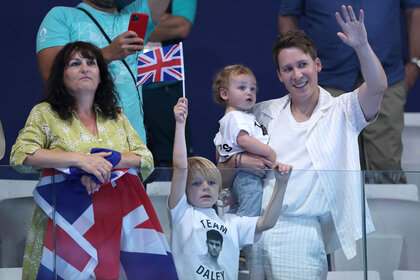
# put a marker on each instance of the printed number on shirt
(225, 147)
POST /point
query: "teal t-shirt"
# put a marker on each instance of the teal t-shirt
(184, 8)
(67, 24)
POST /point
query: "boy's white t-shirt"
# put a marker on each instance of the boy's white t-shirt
(230, 126)
(189, 235)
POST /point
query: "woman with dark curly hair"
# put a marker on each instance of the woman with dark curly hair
(79, 112)
(59, 96)
(79, 116)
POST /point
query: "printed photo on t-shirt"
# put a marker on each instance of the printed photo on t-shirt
(209, 267)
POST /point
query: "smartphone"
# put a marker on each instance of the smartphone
(138, 24)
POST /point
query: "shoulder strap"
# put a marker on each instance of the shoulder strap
(109, 41)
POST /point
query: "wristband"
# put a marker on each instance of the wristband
(236, 160)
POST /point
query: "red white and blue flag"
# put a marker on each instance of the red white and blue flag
(112, 234)
(161, 64)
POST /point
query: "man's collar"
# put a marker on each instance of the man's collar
(325, 99)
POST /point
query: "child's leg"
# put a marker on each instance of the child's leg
(247, 194)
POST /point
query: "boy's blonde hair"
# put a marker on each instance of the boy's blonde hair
(206, 168)
(221, 80)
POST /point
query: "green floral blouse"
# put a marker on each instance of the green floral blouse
(44, 129)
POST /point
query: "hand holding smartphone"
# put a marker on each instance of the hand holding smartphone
(138, 24)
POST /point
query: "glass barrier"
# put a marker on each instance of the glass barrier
(325, 218)
(16, 208)
(393, 250)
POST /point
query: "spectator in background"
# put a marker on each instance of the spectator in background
(67, 24)
(380, 142)
(160, 98)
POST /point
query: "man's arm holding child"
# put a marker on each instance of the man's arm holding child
(180, 164)
(245, 161)
(252, 145)
(354, 34)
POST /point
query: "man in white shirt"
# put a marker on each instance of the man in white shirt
(317, 133)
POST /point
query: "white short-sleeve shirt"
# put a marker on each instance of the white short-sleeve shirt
(189, 235)
(230, 126)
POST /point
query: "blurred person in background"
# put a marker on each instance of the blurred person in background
(67, 24)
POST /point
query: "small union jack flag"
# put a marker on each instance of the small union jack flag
(161, 64)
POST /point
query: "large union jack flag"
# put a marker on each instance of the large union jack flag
(161, 64)
(111, 234)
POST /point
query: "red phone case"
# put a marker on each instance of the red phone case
(138, 24)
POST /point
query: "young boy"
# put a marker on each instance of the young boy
(193, 192)
(235, 87)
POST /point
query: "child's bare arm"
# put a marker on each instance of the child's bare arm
(179, 156)
(253, 146)
(272, 212)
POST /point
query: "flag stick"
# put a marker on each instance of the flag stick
(183, 69)
(183, 73)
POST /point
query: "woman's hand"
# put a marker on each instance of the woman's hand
(90, 185)
(97, 165)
